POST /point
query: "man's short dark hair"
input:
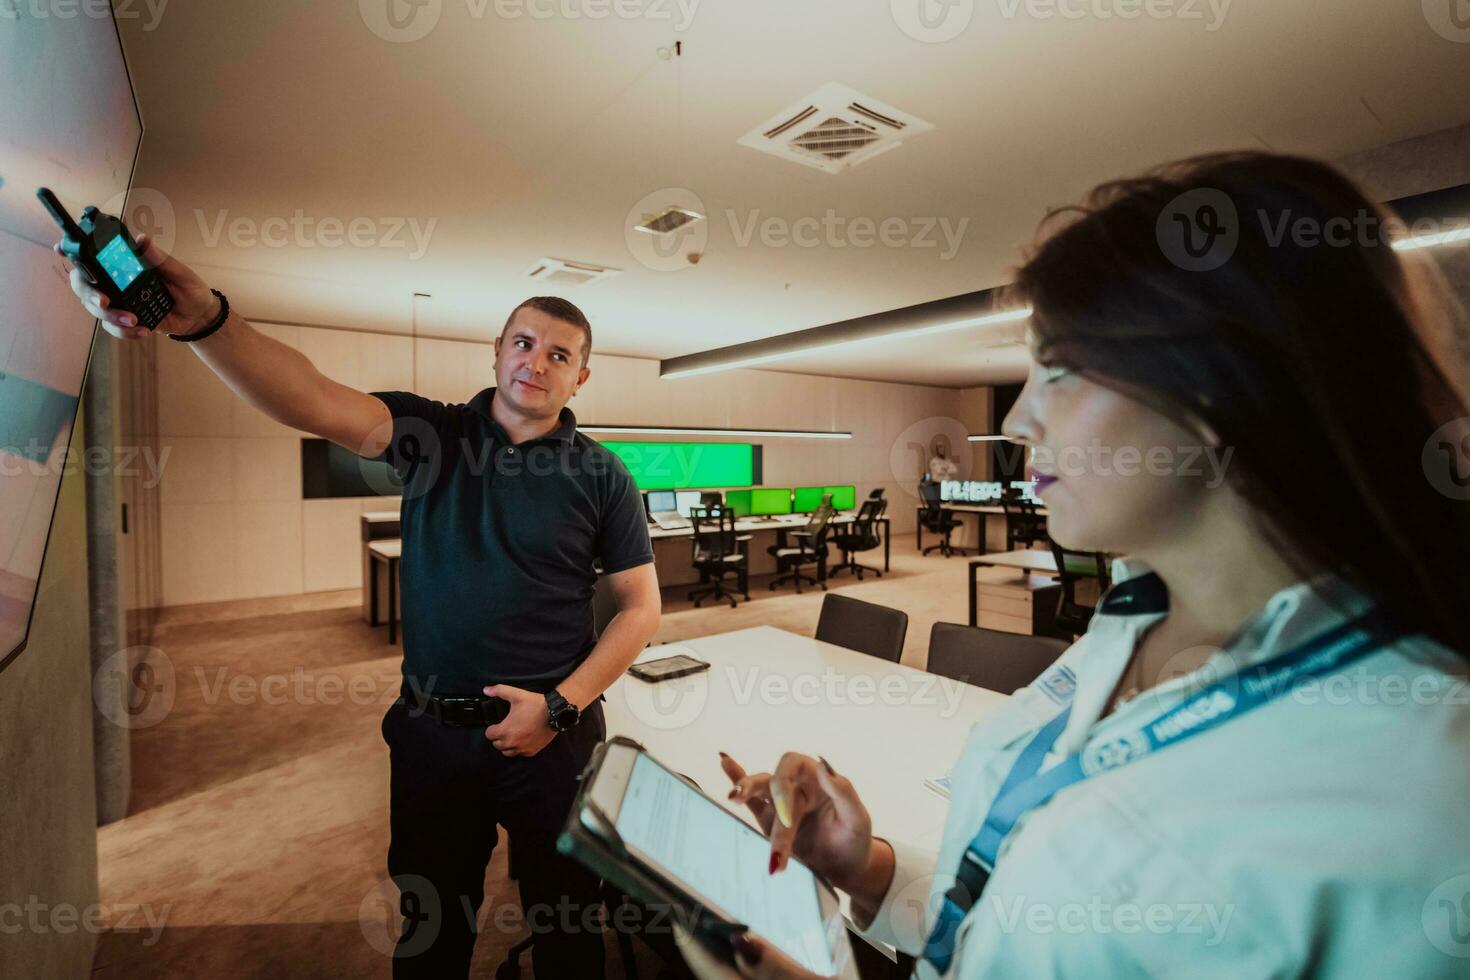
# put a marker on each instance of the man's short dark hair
(560, 309)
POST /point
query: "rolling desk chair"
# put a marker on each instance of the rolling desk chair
(1024, 527)
(1072, 568)
(717, 553)
(936, 520)
(863, 626)
(810, 549)
(991, 659)
(860, 535)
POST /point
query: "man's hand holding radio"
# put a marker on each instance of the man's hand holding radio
(194, 304)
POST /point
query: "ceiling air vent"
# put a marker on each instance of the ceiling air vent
(563, 272)
(833, 129)
(668, 220)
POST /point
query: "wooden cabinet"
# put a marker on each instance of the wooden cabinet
(1015, 602)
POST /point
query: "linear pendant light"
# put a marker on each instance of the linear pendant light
(939, 316)
(679, 430)
(1430, 241)
(1446, 208)
(1446, 211)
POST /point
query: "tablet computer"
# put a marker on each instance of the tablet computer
(656, 836)
(667, 668)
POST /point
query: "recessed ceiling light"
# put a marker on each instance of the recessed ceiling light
(668, 220)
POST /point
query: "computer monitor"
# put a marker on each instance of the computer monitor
(807, 499)
(843, 498)
(661, 501)
(1028, 490)
(686, 500)
(768, 500)
(968, 491)
(738, 501)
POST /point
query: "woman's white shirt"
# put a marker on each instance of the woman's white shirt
(1323, 834)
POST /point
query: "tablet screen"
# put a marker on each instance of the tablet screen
(723, 860)
(667, 665)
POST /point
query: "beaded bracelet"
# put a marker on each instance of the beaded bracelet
(215, 324)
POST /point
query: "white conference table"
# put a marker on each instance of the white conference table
(884, 726)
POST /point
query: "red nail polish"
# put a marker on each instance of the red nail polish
(775, 860)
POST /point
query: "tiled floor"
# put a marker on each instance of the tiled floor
(258, 827)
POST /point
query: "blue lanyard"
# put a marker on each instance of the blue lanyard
(1024, 790)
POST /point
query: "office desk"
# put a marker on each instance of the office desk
(750, 525)
(981, 512)
(885, 726)
(385, 526)
(386, 553)
(377, 525)
(1027, 561)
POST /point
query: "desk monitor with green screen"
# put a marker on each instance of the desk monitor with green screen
(738, 501)
(765, 500)
(807, 499)
(690, 465)
(843, 498)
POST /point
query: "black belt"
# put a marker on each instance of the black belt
(461, 711)
(468, 710)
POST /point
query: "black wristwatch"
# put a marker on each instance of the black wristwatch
(563, 714)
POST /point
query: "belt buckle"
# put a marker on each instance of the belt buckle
(459, 711)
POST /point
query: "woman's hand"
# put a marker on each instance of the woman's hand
(809, 811)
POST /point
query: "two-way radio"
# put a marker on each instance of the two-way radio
(104, 248)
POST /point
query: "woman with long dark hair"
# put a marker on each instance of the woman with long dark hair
(1256, 762)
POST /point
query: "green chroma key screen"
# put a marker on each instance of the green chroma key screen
(690, 465)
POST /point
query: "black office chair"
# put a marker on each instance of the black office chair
(991, 659)
(1024, 527)
(717, 553)
(1072, 568)
(810, 548)
(860, 535)
(937, 520)
(863, 626)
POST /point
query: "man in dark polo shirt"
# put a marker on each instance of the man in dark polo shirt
(505, 509)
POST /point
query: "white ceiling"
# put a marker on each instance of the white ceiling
(523, 136)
